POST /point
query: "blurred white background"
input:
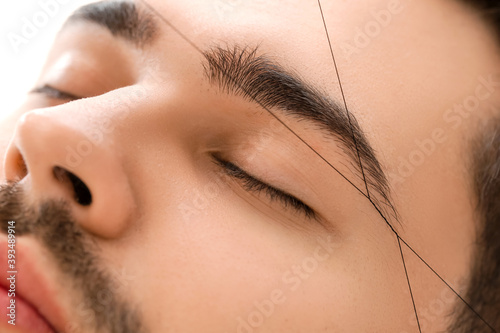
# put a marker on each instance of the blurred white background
(27, 30)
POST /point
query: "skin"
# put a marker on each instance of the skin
(230, 248)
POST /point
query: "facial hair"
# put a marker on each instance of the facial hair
(73, 251)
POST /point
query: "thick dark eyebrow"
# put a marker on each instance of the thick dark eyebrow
(121, 17)
(241, 71)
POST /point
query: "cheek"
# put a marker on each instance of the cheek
(234, 268)
(360, 288)
(214, 266)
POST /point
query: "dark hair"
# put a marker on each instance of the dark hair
(483, 294)
(489, 11)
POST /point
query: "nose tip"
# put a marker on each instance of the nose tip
(46, 154)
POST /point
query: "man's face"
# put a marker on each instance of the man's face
(222, 188)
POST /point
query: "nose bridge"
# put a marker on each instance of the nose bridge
(47, 141)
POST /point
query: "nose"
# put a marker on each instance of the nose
(55, 160)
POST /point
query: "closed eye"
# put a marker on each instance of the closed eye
(253, 184)
(51, 92)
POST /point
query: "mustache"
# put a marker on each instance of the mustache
(74, 251)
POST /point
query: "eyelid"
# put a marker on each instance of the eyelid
(55, 93)
(252, 183)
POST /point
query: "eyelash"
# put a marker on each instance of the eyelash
(252, 184)
(52, 92)
(249, 182)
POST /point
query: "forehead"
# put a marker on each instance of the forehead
(361, 30)
(406, 49)
(371, 39)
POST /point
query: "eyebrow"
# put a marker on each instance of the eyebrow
(262, 81)
(240, 71)
(123, 18)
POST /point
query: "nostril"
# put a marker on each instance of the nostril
(81, 192)
(21, 165)
(15, 166)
